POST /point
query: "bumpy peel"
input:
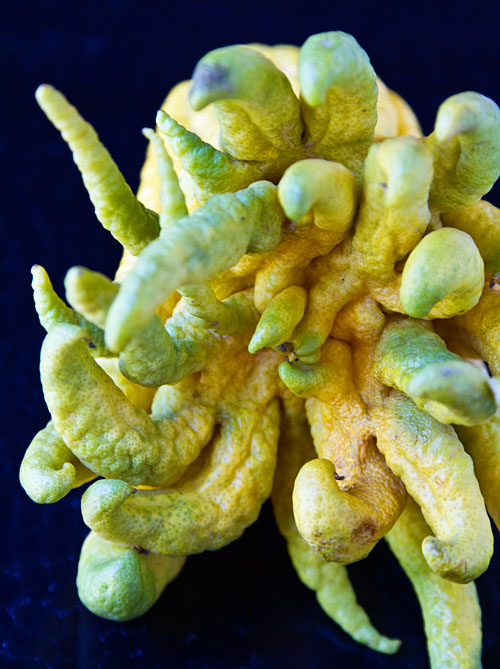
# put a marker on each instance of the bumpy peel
(300, 264)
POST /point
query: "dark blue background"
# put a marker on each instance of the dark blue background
(115, 59)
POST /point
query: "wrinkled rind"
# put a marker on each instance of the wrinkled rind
(193, 250)
(439, 475)
(336, 268)
(117, 209)
(330, 581)
(412, 358)
(202, 517)
(451, 611)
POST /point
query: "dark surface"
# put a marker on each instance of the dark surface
(242, 606)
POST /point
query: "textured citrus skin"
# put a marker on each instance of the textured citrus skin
(451, 612)
(301, 262)
(119, 582)
(329, 580)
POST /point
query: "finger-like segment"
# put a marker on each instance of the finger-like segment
(116, 207)
(52, 311)
(330, 581)
(439, 475)
(258, 112)
(120, 582)
(482, 222)
(49, 470)
(329, 381)
(334, 283)
(173, 203)
(443, 276)
(481, 328)
(338, 526)
(451, 611)
(210, 171)
(284, 266)
(104, 429)
(90, 293)
(286, 59)
(466, 150)
(208, 511)
(234, 315)
(325, 189)
(393, 214)
(157, 354)
(482, 443)
(345, 503)
(338, 98)
(279, 319)
(193, 250)
(414, 359)
(163, 354)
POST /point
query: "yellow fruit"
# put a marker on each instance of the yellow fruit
(294, 238)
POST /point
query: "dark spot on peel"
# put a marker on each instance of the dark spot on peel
(363, 533)
(338, 477)
(209, 77)
(91, 344)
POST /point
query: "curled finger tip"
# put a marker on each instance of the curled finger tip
(102, 498)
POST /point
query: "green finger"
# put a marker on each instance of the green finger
(120, 582)
(482, 222)
(193, 250)
(329, 580)
(412, 358)
(416, 446)
(466, 151)
(231, 316)
(443, 276)
(173, 203)
(158, 353)
(323, 380)
(52, 311)
(451, 611)
(116, 207)
(328, 189)
(49, 470)
(257, 110)
(211, 171)
(106, 431)
(393, 214)
(279, 319)
(206, 512)
(90, 293)
(338, 98)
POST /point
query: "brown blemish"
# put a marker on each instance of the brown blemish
(364, 532)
